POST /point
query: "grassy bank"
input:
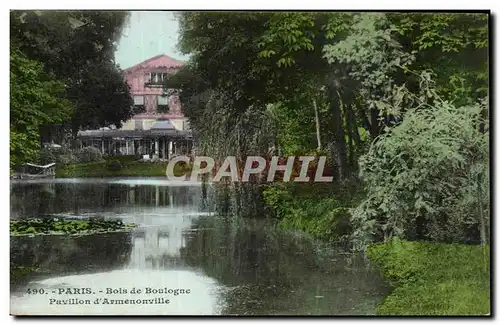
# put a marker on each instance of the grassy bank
(318, 209)
(117, 167)
(427, 278)
(433, 279)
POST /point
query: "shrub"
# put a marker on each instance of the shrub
(310, 209)
(428, 178)
(114, 165)
(47, 156)
(63, 156)
(89, 154)
(67, 158)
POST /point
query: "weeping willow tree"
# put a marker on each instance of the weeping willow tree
(225, 99)
(224, 125)
(225, 133)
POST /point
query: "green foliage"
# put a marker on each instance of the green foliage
(36, 99)
(295, 127)
(65, 226)
(61, 156)
(78, 48)
(114, 165)
(17, 271)
(47, 156)
(408, 83)
(236, 72)
(278, 198)
(287, 34)
(323, 220)
(252, 79)
(454, 45)
(355, 65)
(309, 208)
(428, 177)
(372, 57)
(103, 97)
(62, 69)
(433, 279)
(89, 154)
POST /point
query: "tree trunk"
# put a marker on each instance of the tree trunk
(339, 148)
(366, 122)
(354, 123)
(350, 135)
(74, 135)
(482, 223)
(374, 129)
(316, 115)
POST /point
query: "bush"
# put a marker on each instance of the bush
(47, 156)
(67, 158)
(89, 154)
(114, 165)
(433, 279)
(63, 156)
(310, 209)
(428, 178)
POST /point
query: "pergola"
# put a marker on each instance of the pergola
(159, 140)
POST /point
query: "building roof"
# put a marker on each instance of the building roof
(158, 116)
(159, 61)
(134, 133)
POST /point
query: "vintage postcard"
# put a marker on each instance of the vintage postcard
(250, 163)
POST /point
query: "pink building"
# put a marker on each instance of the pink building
(160, 129)
(146, 84)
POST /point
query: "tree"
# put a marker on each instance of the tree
(78, 48)
(103, 98)
(36, 98)
(372, 59)
(453, 45)
(253, 79)
(357, 63)
(265, 58)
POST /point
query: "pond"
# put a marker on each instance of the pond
(181, 259)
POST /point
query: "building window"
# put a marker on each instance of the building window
(138, 100)
(157, 78)
(162, 104)
(138, 104)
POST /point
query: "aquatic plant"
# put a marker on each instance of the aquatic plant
(54, 226)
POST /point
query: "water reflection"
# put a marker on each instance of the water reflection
(35, 199)
(58, 255)
(268, 271)
(147, 257)
(230, 265)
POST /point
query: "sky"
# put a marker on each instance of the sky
(148, 34)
